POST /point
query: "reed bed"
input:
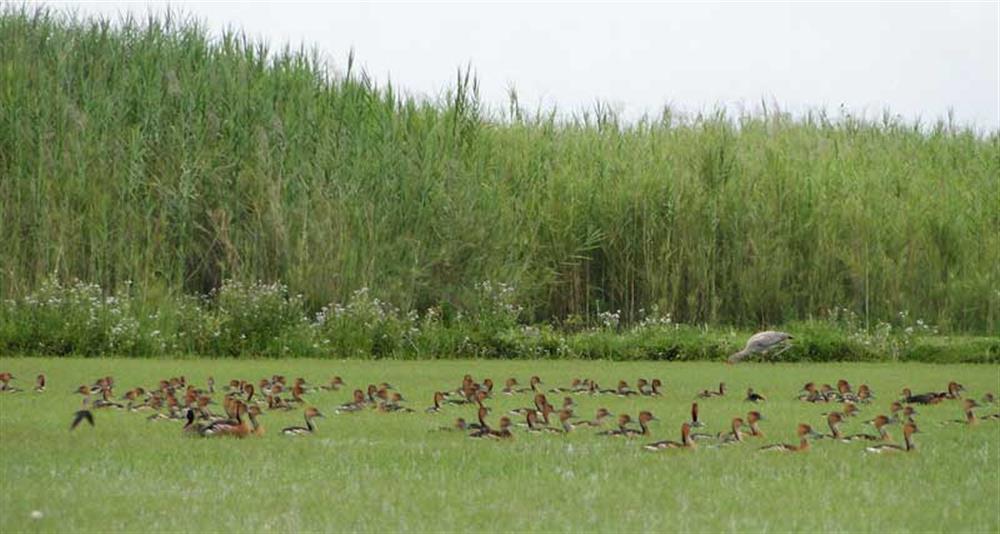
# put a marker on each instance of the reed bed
(150, 156)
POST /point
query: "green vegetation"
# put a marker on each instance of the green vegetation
(152, 153)
(264, 320)
(378, 472)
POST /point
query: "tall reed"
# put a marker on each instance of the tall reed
(148, 151)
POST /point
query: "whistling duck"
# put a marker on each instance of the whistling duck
(923, 398)
(40, 383)
(438, 399)
(531, 422)
(753, 396)
(503, 432)
(190, 427)
(694, 416)
(310, 414)
(970, 415)
(565, 426)
(642, 386)
(533, 385)
(393, 404)
(602, 415)
(833, 420)
(752, 419)
(623, 390)
(106, 402)
(481, 425)
(508, 387)
(733, 436)
(844, 392)
(459, 425)
(804, 432)
(954, 391)
(334, 385)
(654, 388)
(486, 386)
(879, 422)
(356, 405)
(622, 430)
(5, 385)
(297, 391)
(574, 386)
(568, 403)
(685, 443)
(644, 419)
(540, 402)
(811, 394)
(989, 398)
(238, 428)
(708, 393)
(908, 430)
(864, 394)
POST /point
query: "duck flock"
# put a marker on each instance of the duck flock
(244, 402)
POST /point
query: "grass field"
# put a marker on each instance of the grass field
(385, 472)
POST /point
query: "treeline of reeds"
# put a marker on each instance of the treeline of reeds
(156, 160)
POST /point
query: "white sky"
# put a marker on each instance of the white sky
(916, 59)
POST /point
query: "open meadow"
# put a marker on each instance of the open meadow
(372, 471)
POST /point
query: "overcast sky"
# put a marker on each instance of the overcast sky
(916, 59)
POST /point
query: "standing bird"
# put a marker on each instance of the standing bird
(762, 342)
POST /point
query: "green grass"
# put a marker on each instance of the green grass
(154, 152)
(375, 472)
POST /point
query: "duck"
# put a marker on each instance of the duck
(508, 386)
(954, 391)
(864, 395)
(923, 398)
(908, 430)
(733, 436)
(438, 399)
(753, 396)
(237, 427)
(804, 432)
(708, 393)
(574, 386)
(654, 388)
(503, 432)
(833, 420)
(531, 423)
(970, 415)
(622, 430)
(624, 391)
(694, 416)
(685, 443)
(752, 418)
(879, 422)
(394, 404)
(310, 428)
(355, 405)
(533, 384)
(191, 427)
(811, 394)
(40, 383)
(481, 425)
(565, 425)
(599, 419)
(459, 425)
(645, 417)
(335, 384)
(5, 385)
(540, 402)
